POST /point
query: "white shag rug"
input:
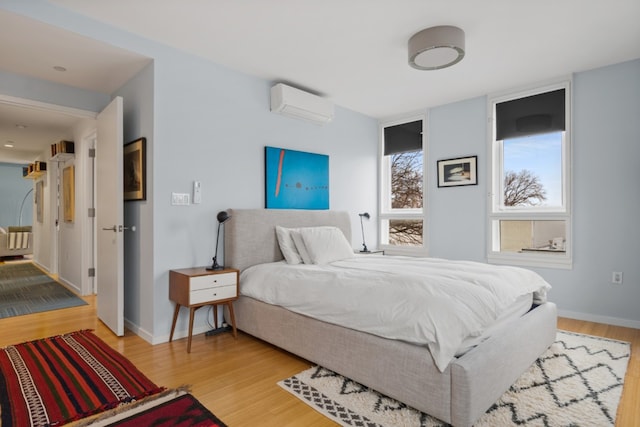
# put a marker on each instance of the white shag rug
(576, 382)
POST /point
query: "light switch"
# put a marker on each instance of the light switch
(179, 199)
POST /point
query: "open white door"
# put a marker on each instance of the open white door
(110, 217)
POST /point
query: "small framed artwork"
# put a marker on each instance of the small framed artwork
(39, 200)
(68, 193)
(457, 172)
(135, 170)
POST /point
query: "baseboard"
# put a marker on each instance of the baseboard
(69, 285)
(184, 333)
(616, 321)
(153, 340)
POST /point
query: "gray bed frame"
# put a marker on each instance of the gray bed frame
(403, 371)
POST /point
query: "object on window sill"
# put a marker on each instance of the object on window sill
(548, 248)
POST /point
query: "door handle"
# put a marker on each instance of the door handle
(121, 227)
(114, 229)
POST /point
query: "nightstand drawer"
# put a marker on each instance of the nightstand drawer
(212, 294)
(212, 281)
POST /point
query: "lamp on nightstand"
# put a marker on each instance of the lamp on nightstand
(223, 216)
(364, 245)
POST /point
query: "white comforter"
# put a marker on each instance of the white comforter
(425, 301)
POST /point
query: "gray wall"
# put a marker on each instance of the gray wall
(138, 106)
(213, 127)
(204, 122)
(457, 215)
(606, 149)
(13, 188)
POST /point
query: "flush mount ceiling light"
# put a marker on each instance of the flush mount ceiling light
(436, 47)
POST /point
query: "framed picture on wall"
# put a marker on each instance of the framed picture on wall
(457, 172)
(135, 170)
(39, 200)
(296, 179)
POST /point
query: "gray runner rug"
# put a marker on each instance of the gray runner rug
(25, 289)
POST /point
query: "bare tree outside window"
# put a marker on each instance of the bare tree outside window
(523, 189)
(405, 232)
(406, 180)
(406, 193)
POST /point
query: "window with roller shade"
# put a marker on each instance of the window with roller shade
(402, 186)
(529, 218)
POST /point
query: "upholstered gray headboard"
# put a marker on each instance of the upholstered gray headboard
(250, 234)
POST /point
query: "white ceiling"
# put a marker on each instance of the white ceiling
(351, 51)
(33, 48)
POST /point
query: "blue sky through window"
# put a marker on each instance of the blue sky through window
(542, 155)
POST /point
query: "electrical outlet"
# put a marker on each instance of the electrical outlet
(616, 277)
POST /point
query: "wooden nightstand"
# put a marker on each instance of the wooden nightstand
(197, 287)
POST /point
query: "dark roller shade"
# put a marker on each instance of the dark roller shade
(403, 138)
(541, 113)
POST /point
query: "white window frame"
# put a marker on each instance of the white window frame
(385, 211)
(497, 212)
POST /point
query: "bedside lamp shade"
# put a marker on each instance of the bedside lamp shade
(364, 245)
(222, 217)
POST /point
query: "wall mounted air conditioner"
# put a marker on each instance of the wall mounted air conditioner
(289, 101)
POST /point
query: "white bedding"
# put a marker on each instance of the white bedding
(426, 301)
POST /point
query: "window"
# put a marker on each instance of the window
(402, 187)
(530, 215)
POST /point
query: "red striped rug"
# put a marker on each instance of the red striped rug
(56, 380)
(171, 408)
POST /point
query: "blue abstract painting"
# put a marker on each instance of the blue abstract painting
(296, 179)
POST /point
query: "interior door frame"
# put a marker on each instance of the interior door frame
(86, 285)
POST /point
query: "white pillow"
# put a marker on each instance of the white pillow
(325, 244)
(287, 245)
(300, 246)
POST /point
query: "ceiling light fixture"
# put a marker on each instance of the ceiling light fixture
(436, 47)
(9, 144)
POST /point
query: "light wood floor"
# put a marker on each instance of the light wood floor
(236, 379)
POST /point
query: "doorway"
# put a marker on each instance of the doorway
(62, 249)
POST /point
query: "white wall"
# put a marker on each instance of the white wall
(72, 257)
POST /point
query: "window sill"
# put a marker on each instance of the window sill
(404, 251)
(560, 260)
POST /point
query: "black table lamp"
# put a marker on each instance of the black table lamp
(364, 245)
(223, 216)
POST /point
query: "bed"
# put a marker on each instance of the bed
(458, 394)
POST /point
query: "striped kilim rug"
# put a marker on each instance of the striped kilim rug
(576, 382)
(171, 408)
(25, 289)
(56, 380)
